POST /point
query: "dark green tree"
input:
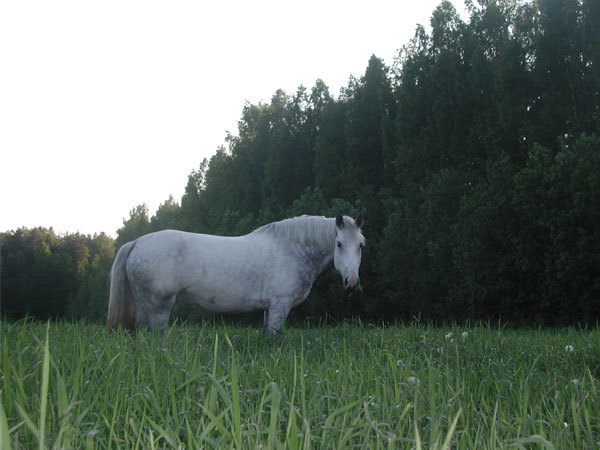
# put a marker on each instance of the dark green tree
(167, 216)
(42, 273)
(135, 226)
(193, 208)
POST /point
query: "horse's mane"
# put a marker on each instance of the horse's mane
(303, 229)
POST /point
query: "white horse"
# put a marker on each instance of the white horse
(271, 269)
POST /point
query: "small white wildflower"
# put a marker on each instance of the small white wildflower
(440, 350)
(400, 364)
(569, 348)
(566, 425)
(465, 335)
(414, 381)
(449, 335)
(576, 383)
(337, 370)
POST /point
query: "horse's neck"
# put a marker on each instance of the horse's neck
(319, 251)
(315, 244)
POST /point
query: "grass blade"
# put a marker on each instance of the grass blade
(235, 403)
(44, 393)
(215, 422)
(446, 444)
(162, 433)
(4, 436)
(275, 401)
(29, 422)
(291, 434)
(418, 443)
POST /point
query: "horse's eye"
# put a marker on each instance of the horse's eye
(362, 245)
(339, 244)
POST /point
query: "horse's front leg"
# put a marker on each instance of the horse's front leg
(276, 315)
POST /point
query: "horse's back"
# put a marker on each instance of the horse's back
(173, 260)
(174, 243)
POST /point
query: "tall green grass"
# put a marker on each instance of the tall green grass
(353, 385)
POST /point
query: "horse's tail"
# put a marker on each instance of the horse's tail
(121, 304)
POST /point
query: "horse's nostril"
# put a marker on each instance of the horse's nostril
(345, 282)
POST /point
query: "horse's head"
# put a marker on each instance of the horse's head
(349, 243)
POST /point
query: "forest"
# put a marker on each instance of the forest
(474, 157)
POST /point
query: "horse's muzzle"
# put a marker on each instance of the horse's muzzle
(351, 283)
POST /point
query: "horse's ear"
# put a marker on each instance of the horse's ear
(359, 220)
(339, 220)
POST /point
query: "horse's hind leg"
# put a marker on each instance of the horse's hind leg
(141, 315)
(156, 314)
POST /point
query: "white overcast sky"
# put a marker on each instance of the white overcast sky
(105, 105)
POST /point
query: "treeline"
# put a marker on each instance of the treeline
(475, 158)
(45, 275)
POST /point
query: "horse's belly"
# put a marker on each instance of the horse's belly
(225, 300)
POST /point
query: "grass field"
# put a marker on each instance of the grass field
(353, 385)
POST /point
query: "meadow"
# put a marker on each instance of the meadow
(71, 385)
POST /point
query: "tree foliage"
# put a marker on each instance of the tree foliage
(45, 275)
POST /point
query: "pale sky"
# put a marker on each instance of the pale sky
(108, 104)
